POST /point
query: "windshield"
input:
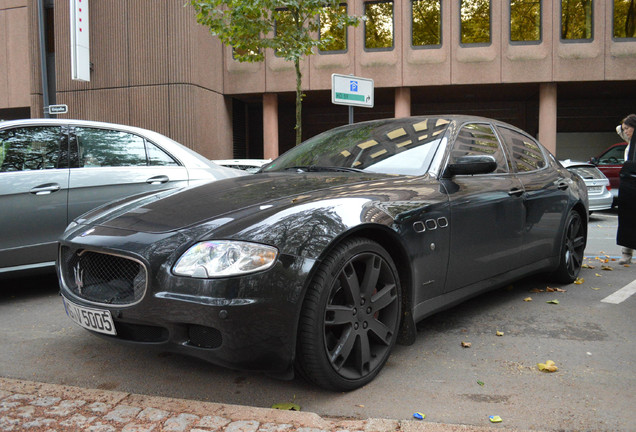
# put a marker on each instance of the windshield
(394, 146)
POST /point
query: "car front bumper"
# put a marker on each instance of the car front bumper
(246, 323)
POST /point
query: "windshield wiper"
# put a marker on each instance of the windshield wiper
(318, 168)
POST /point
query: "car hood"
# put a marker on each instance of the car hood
(176, 209)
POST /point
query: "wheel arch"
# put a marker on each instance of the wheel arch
(390, 241)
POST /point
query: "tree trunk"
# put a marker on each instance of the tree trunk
(299, 102)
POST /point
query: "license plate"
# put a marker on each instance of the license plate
(595, 189)
(98, 320)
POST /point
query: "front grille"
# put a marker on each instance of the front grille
(102, 278)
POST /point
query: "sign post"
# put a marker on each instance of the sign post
(352, 91)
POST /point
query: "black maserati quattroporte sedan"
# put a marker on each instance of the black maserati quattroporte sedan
(329, 255)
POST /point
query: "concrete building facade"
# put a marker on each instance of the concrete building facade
(153, 66)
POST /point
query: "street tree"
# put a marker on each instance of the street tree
(293, 29)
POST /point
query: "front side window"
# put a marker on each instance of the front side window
(624, 19)
(378, 25)
(33, 148)
(526, 154)
(426, 23)
(525, 20)
(476, 139)
(335, 38)
(109, 148)
(475, 25)
(576, 20)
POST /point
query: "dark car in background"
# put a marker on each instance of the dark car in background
(610, 163)
(326, 258)
(53, 170)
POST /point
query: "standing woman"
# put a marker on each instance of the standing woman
(626, 235)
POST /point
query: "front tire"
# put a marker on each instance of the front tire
(574, 239)
(350, 317)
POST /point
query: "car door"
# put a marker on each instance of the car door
(546, 195)
(111, 164)
(34, 177)
(486, 212)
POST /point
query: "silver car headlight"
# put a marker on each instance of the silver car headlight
(219, 258)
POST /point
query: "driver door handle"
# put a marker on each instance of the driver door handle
(515, 192)
(45, 189)
(158, 180)
(563, 185)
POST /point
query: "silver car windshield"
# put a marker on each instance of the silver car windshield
(384, 146)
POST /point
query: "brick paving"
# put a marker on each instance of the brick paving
(39, 407)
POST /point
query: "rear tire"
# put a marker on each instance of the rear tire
(572, 248)
(350, 317)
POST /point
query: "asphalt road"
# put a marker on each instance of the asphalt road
(591, 342)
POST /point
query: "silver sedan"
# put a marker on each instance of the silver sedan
(598, 185)
(53, 170)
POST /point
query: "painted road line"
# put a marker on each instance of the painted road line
(622, 294)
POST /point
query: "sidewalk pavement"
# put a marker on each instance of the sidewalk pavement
(39, 407)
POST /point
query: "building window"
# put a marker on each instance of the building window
(624, 19)
(525, 20)
(336, 37)
(576, 20)
(475, 21)
(378, 25)
(426, 23)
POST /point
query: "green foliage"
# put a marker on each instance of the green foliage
(624, 18)
(427, 25)
(475, 21)
(289, 27)
(576, 19)
(525, 20)
(378, 26)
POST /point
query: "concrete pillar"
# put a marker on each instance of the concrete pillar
(548, 115)
(270, 125)
(402, 102)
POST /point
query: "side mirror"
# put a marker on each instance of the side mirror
(594, 160)
(470, 165)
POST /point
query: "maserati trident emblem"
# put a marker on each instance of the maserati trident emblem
(78, 274)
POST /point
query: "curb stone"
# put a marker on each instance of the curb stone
(40, 407)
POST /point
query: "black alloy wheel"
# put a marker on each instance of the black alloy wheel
(573, 245)
(350, 317)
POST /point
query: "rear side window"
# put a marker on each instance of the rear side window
(112, 148)
(33, 148)
(479, 139)
(527, 155)
(157, 157)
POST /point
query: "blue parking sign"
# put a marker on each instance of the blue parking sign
(353, 86)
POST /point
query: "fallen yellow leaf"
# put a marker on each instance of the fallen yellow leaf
(466, 344)
(286, 406)
(607, 268)
(548, 366)
(597, 275)
(499, 333)
(527, 299)
(579, 281)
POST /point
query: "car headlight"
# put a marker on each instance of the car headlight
(210, 259)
